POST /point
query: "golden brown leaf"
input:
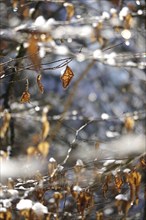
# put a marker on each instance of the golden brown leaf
(10, 183)
(45, 124)
(7, 215)
(45, 129)
(129, 123)
(31, 150)
(99, 215)
(43, 148)
(25, 97)
(40, 85)
(25, 12)
(33, 52)
(128, 22)
(3, 155)
(137, 177)
(118, 183)
(2, 215)
(70, 10)
(97, 144)
(25, 213)
(36, 138)
(143, 162)
(84, 200)
(15, 4)
(67, 77)
(106, 185)
(123, 206)
(1, 70)
(57, 195)
(137, 181)
(5, 124)
(133, 179)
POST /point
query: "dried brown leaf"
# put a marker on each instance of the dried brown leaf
(143, 162)
(129, 123)
(128, 22)
(15, 4)
(123, 206)
(69, 10)
(5, 125)
(118, 182)
(25, 213)
(137, 177)
(126, 207)
(97, 144)
(33, 52)
(40, 85)
(43, 148)
(106, 185)
(6, 215)
(1, 70)
(25, 97)
(45, 124)
(10, 183)
(67, 77)
(99, 215)
(31, 150)
(45, 129)
(57, 196)
(3, 155)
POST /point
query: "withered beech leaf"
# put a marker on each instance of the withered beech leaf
(25, 97)
(123, 206)
(45, 125)
(31, 150)
(67, 77)
(5, 124)
(128, 22)
(143, 162)
(24, 9)
(97, 144)
(45, 129)
(1, 70)
(40, 85)
(33, 52)
(106, 185)
(6, 215)
(129, 123)
(3, 154)
(69, 10)
(43, 148)
(99, 215)
(57, 196)
(15, 4)
(118, 182)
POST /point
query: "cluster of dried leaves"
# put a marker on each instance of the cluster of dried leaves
(117, 182)
(65, 78)
(70, 194)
